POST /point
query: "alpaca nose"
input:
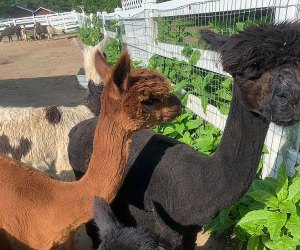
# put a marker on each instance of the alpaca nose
(289, 93)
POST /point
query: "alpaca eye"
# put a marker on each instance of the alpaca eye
(148, 102)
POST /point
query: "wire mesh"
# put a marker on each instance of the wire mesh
(169, 40)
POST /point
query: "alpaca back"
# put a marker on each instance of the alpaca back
(36, 137)
(51, 30)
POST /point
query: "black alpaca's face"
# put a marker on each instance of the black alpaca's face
(284, 104)
(275, 94)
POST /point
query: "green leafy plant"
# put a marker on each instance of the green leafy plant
(90, 33)
(192, 131)
(172, 31)
(113, 51)
(267, 217)
(211, 88)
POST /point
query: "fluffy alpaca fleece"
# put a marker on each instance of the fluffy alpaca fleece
(89, 52)
(23, 33)
(184, 189)
(39, 136)
(45, 29)
(48, 211)
(114, 236)
(47, 140)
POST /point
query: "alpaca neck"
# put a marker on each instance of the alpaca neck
(93, 99)
(240, 150)
(105, 172)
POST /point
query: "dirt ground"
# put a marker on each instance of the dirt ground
(41, 73)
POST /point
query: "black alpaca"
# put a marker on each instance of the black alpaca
(115, 237)
(9, 31)
(185, 189)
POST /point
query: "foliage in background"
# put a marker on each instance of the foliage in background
(172, 32)
(187, 128)
(90, 33)
(192, 131)
(267, 217)
(186, 30)
(211, 88)
(113, 51)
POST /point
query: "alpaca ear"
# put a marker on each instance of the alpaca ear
(102, 67)
(104, 217)
(121, 71)
(80, 44)
(101, 45)
(216, 40)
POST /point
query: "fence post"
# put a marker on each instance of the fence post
(150, 27)
(117, 17)
(103, 22)
(47, 18)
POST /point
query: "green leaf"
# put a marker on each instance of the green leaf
(254, 221)
(179, 128)
(169, 130)
(294, 191)
(194, 57)
(297, 171)
(275, 223)
(253, 242)
(265, 150)
(285, 243)
(193, 124)
(204, 103)
(208, 78)
(287, 206)
(187, 50)
(182, 117)
(224, 95)
(282, 183)
(227, 83)
(264, 197)
(181, 85)
(224, 109)
(293, 225)
(264, 185)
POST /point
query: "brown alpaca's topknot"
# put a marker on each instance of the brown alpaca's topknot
(257, 49)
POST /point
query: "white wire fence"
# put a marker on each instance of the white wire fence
(170, 30)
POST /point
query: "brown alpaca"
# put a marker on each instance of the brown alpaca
(38, 212)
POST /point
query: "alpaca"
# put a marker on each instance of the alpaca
(9, 31)
(88, 52)
(23, 33)
(45, 29)
(114, 236)
(49, 211)
(185, 188)
(50, 123)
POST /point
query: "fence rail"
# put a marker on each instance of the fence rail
(68, 21)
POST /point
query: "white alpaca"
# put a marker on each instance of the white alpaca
(39, 136)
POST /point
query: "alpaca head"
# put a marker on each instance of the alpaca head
(88, 53)
(265, 64)
(114, 236)
(135, 99)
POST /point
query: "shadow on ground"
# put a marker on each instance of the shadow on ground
(42, 91)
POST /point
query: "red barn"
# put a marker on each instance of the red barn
(16, 11)
(43, 11)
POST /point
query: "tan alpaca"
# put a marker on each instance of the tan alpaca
(38, 212)
(23, 32)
